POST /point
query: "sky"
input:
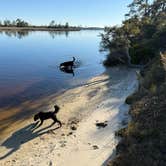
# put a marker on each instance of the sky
(77, 12)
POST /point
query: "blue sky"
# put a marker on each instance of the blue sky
(76, 12)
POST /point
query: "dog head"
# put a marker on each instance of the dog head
(36, 117)
(56, 108)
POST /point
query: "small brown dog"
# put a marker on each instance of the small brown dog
(48, 115)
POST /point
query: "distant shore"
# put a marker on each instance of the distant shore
(38, 28)
(44, 28)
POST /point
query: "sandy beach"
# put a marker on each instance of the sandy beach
(79, 142)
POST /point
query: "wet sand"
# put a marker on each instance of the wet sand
(79, 141)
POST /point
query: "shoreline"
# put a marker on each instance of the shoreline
(47, 29)
(37, 29)
(100, 99)
(140, 138)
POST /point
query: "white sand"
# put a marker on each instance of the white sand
(101, 99)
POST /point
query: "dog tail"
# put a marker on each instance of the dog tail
(56, 109)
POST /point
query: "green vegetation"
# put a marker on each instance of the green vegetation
(140, 37)
(144, 140)
(19, 23)
(139, 40)
(15, 23)
(53, 24)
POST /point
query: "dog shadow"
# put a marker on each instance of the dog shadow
(22, 136)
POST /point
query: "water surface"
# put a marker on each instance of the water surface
(29, 63)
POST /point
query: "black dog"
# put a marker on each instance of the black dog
(67, 64)
(67, 70)
(48, 115)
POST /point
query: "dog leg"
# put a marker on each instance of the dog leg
(56, 121)
(37, 126)
(40, 123)
(60, 124)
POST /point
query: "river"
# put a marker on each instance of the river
(29, 67)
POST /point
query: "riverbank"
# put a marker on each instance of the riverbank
(144, 139)
(43, 28)
(80, 140)
(38, 28)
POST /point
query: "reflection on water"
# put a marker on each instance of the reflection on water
(67, 70)
(23, 33)
(18, 34)
(33, 62)
(29, 68)
(53, 34)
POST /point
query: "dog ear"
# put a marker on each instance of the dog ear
(56, 107)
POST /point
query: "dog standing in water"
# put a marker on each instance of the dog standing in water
(68, 64)
(48, 115)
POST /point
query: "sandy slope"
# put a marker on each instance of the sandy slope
(100, 99)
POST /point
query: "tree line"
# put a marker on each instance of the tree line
(15, 23)
(21, 23)
(53, 24)
(140, 37)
